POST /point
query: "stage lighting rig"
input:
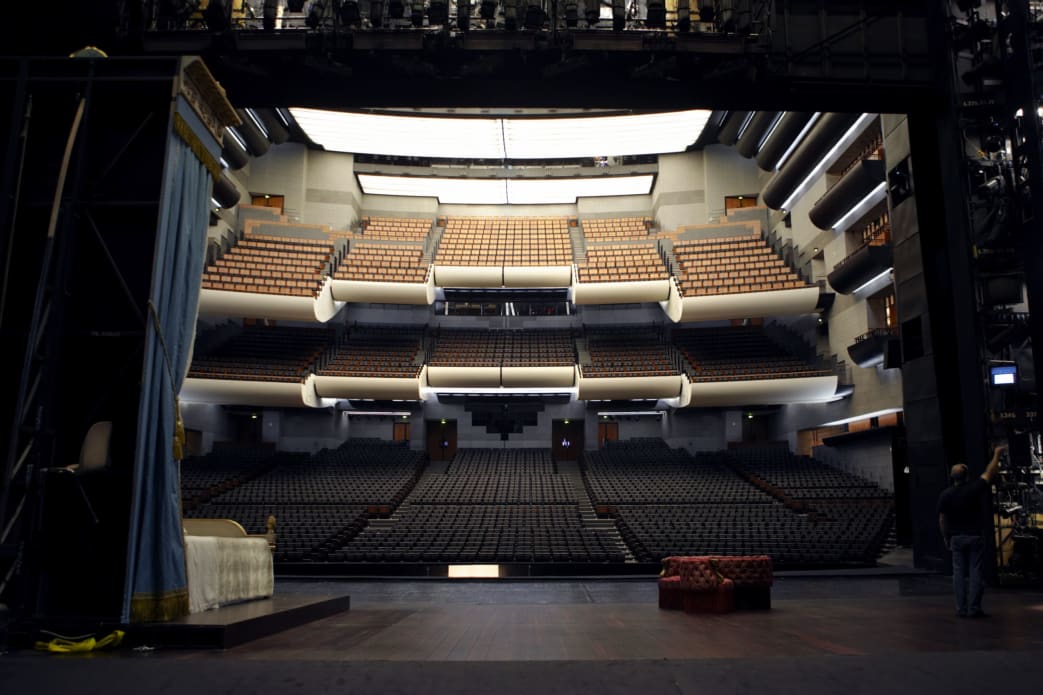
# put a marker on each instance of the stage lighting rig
(218, 16)
(376, 13)
(438, 12)
(396, 9)
(173, 14)
(684, 16)
(619, 15)
(463, 15)
(534, 16)
(487, 10)
(592, 11)
(656, 14)
(350, 15)
(295, 5)
(416, 13)
(571, 13)
(317, 13)
(510, 15)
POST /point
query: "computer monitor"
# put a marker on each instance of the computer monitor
(1005, 374)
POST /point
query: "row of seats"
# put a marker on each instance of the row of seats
(264, 353)
(530, 348)
(738, 353)
(616, 229)
(712, 354)
(396, 228)
(373, 353)
(667, 502)
(514, 241)
(268, 263)
(731, 265)
(490, 505)
(622, 263)
(628, 355)
(319, 501)
(372, 262)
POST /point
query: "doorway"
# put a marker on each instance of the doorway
(400, 432)
(607, 432)
(566, 440)
(441, 439)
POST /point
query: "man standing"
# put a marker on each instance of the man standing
(961, 517)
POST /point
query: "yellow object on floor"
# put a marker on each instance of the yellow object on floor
(60, 645)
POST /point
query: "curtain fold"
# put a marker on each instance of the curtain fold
(156, 587)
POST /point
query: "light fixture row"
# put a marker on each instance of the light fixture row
(574, 137)
(461, 191)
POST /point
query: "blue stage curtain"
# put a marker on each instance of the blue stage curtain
(156, 588)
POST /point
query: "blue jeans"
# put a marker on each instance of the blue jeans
(967, 555)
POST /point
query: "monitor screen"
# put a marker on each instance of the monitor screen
(1003, 374)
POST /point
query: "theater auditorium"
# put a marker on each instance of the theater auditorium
(471, 347)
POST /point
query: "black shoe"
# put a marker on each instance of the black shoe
(979, 614)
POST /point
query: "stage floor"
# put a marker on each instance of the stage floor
(824, 635)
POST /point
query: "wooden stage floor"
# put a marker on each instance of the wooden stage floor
(824, 635)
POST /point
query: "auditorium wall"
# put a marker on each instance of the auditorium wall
(679, 196)
(210, 420)
(727, 174)
(320, 187)
(869, 457)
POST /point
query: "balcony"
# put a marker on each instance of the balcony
(870, 262)
(857, 192)
(872, 348)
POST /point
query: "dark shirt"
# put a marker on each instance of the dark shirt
(964, 507)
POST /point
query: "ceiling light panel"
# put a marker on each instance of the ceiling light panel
(505, 191)
(565, 191)
(403, 136)
(448, 191)
(502, 138)
(549, 138)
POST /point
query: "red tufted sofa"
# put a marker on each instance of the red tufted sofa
(715, 584)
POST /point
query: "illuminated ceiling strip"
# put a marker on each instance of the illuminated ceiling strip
(829, 158)
(862, 207)
(797, 140)
(864, 416)
(463, 191)
(502, 138)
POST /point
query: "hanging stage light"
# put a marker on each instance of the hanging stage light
(416, 13)
(376, 13)
(295, 5)
(396, 9)
(571, 13)
(656, 16)
(619, 15)
(534, 15)
(316, 14)
(349, 13)
(684, 16)
(592, 11)
(463, 15)
(510, 15)
(438, 12)
(218, 16)
(269, 13)
(487, 10)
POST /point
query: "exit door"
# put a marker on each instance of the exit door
(441, 439)
(607, 432)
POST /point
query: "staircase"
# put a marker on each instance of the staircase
(605, 527)
(431, 245)
(579, 244)
(583, 358)
(666, 252)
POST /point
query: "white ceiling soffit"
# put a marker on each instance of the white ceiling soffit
(502, 138)
(505, 191)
